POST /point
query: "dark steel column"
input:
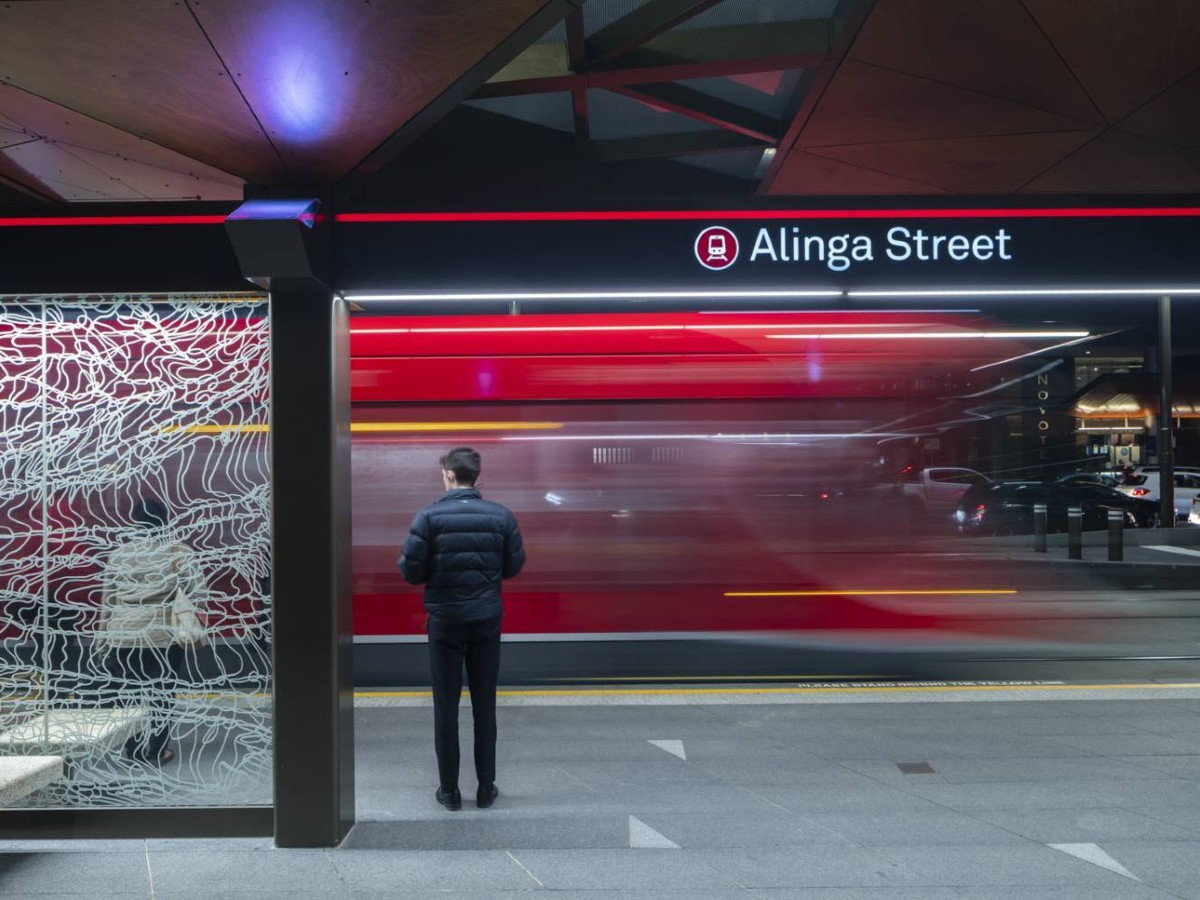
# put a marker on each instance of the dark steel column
(1166, 422)
(313, 631)
(281, 245)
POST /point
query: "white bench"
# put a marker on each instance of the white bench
(21, 776)
(71, 732)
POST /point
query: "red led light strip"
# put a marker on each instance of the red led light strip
(1110, 212)
(72, 221)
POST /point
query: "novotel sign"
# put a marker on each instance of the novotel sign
(718, 247)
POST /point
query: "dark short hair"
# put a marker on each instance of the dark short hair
(150, 512)
(464, 463)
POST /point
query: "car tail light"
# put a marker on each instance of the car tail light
(1139, 492)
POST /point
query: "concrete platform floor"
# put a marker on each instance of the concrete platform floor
(953, 791)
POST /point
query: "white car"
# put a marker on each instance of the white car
(934, 491)
(1147, 485)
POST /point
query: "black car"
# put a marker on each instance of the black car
(1006, 507)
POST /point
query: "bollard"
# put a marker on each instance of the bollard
(1116, 535)
(1075, 533)
(1039, 528)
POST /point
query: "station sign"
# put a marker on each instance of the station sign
(837, 249)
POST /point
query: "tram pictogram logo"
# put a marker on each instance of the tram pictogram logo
(716, 247)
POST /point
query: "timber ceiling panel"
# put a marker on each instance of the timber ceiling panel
(329, 80)
(867, 103)
(973, 165)
(1171, 116)
(1005, 96)
(803, 173)
(1140, 165)
(125, 167)
(384, 99)
(990, 46)
(1124, 53)
(142, 66)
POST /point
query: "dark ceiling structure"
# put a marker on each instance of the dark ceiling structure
(452, 102)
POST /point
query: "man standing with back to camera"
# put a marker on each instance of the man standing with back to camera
(461, 547)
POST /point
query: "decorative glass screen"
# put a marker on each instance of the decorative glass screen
(134, 575)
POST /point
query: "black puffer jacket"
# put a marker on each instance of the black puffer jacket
(460, 547)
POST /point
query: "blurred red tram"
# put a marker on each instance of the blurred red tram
(677, 477)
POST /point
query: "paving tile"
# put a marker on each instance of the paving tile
(1164, 723)
(86, 845)
(447, 870)
(1176, 766)
(1085, 826)
(1087, 768)
(803, 771)
(692, 893)
(1061, 794)
(1133, 744)
(490, 832)
(1184, 816)
(916, 828)
(669, 769)
(888, 771)
(715, 798)
(941, 746)
(383, 774)
(871, 797)
(967, 865)
(97, 874)
(778, 829)
(855, 893)
(1046, 726)
(813, 867)
(211, 845)
(1130, 890)
(640, 870)
(1160, 863)
(284, 870)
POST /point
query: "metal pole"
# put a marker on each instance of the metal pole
(1039, 527)
(1166, 450)
(1116, 535)
(1075, 533)
(312, 631)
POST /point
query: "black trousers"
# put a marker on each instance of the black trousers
(149, 677)
(477, 644)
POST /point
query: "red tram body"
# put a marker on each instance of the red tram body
(688, 474)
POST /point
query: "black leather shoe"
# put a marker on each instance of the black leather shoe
(449, 799)
(486, 795)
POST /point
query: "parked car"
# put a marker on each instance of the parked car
(933, 491)
(1108, 479)
(1006, 507)
(1194, 513)
(1147, 485)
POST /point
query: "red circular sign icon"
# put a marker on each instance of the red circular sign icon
(716, 247)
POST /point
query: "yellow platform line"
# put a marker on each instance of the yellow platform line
(871, 593)
(375, 427)
(865, 689)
